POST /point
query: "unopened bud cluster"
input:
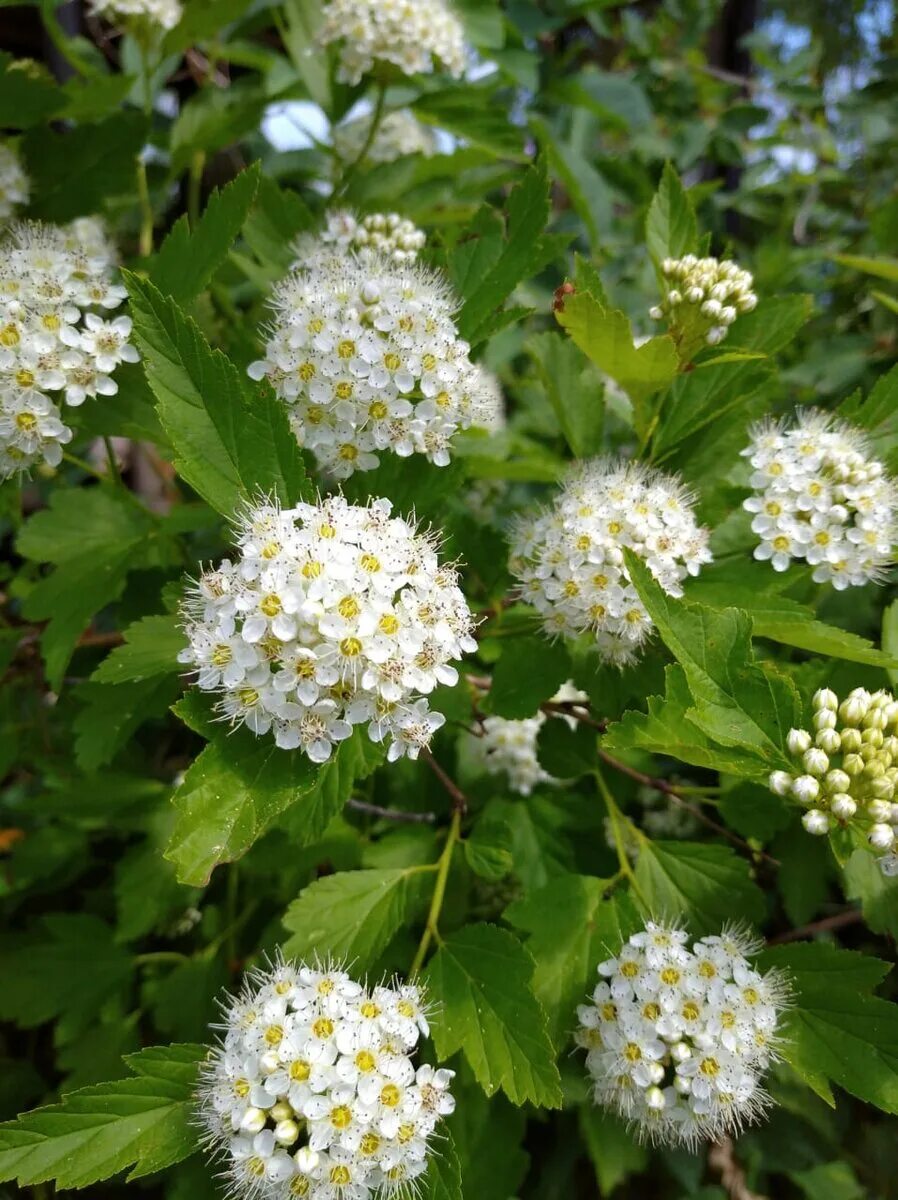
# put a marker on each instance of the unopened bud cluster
(332, 615)
(569, 558)
(51, 340)
(822, 498)
(398, 134)
(387, 234)
(367, 357)
(415, 36)
(313, 1091)
(847, 769)
(14, 185)
(678, 1038)
(164, 13)
(508, 747)
(703, 298)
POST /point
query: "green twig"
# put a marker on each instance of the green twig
(376, 118)
(431, 929)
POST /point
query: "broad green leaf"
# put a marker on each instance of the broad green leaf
(605, 337)
(890, 637)
(302, 20)
(528, 212)
(574, 389)
(146, 1123)
(882, 268)
(239, 784)
(232, 440)
(738, 702)
(541, 836)
(829, 1181)
(531, 670)
(773, 325)
(93, 538)
(354, 915)
(488, 849)
(705, 884)
(68, 968)
(484, 1005)
(442, 1179)
(614, 1152)
(488, 1136)
(754, 811)
(475, 114)
(567, 753)
(587, 189)
(878, 415)
(572, 928)
(835, 1031)
(111, 714)
(151, 648)
(185, 999)
(188, 258)
(28, 93)
(214, 117)
(274, 221)
(202, 21)
(670, 228)
(877, 893)
(699, 398)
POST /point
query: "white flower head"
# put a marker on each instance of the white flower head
(508, 747)
(164, 13)
(14, 185)
(846, 770)
(819, 497)
(331, 615)
(313, 1091)
(415, 36)
(703, 297)
(365, 353)
(398, 134)
(387, 234)
(678, 1038)
(51, 340)
(569, 558)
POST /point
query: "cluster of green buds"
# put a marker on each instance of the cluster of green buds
(703, 298)
(848, 769)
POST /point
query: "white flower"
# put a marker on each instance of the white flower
(417, 36)
(569, 558)
(398, 134)
(821, 498)
(332, 615)
(510, 747)
(678, 1038)
(313, 1092)
(387, 234)
(853, 769)
(50, 276)
(164, 13)
(704, 296)
(14, 185)
(366, 355)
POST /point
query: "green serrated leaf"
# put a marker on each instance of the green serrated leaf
(111, 715)
(707, 885)
(28, 93)
(354, 915)
(517, 693)
(670, 228)
(480, 981)
(442, 1179)
(146, 1123)
(151, 649)
(574, 389)
(188, 258)
(232, 440)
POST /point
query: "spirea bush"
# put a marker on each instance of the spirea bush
(448, 619)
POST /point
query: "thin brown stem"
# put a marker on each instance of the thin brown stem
(459, 799)
(849, 916)
(391, 814)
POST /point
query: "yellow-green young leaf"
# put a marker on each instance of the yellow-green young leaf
(480, 982)
(835, 1031)
(670, 228)
(738, 702)
(882, 268)
(889, 302)
(705, 885)
(188, 258)
(606, 337)
(146, 1123)
(354, 915)
(572, 928)
(232, 439)
(151, 648)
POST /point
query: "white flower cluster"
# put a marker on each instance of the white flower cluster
(570, 561)
(387, 234)
(333, 615)
(367, 357)
(848, 769)
(164, 13)
(678, 1038)
(50, 341)
(417, 36)
(507, 747)
(14, 185)
(820, 497)
(704, 297)
(313, 1092)
(399, 133)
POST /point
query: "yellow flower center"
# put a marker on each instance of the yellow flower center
(350, 647)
